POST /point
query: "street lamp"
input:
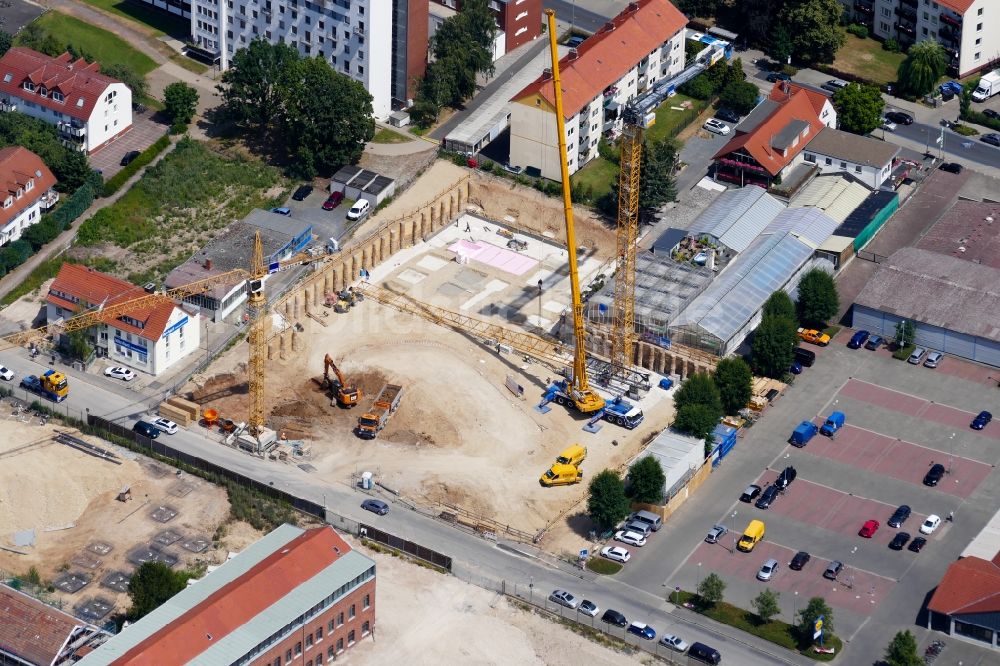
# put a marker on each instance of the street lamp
(699, 577)
(795, 605)
(531, 589)
(732, 550)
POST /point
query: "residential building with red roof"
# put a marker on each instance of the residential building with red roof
(36, 634)
(89, 109)
(640, 46)
(969, 30)
(295, 596)
(150, 338)
(25, 191)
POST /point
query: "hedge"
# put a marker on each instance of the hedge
(145, 157)
(981, 119)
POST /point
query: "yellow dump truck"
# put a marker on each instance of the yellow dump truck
(751, 536)
(561, 475)
(574, 455)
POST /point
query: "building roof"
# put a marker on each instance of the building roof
(853, 148)
(668, 240)
(863, 215)
(31, 630)
(970, 585)
(810, 224)
(835, 195)
(732, 300)
(937, 289)
(970, 230)
(774, 141)
(606, 56)
(737, 216)
(218, 619)
(986, 544)
(78, 288)
(17, 166)
(959, 6)
(80, 82)
(679, 455)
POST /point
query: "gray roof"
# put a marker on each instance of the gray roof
(678, 455)
(937, 289)
(853, 148)
(669, 239)
(737, 216)
(734, 298)
(812, 224)
(835, 195)
(789, 133)
(760, 113)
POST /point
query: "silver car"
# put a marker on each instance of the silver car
(767, 571)
(717, 126)
(933, 359)
(715, 533)
(564, 598)
(917, 356)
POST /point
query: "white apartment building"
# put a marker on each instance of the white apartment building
(968, 29)
(643, 44)
(25, 191)
(89, 109)
(354, 36)
(149, 338)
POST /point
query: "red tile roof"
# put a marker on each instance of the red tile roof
(80, 82)
(971, 585)
(960, 6)
(798, 105)
(782, 89)
(30, 629)
(235, 604)
(606, 56)
(17, 166)
(92, 288)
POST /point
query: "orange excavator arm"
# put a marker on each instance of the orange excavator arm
(346, 395)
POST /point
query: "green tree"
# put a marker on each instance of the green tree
(859, 108)
(261, 77)
(6, 41)
(333, 122)
(773, 347)
(814, 26)
(151, 585)
(735, 381)
(657, 178)
(136, 82)
(646, 481)
(756, 18)
(181, 102)
(779, 304)
(70, 167)
(766, 605)
(740, 96)
(818, 299)
(79, 347)
(902, 650)
(696, 420)
(711, 590)
(816, 608)
(925, 63)
(780, 46)
(699, 389)
(905, 330)
(34, 36)
(606, 502)
(702, 8)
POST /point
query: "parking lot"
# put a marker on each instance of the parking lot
(326, 223)
(145, 131)
(900, 419)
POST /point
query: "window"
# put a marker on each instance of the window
(340, 645)
(829, 162)
(843, 165)
(340, 619)
(29, 86)
(352, 613)
(809, 157)
(329, 627)
(367, 601)
(277, 661)
(309, 641)
(977, 56)
(330, 653)
(288, 656)
(319, 658)
(857, 168)
(979, 26)
(365, 628)
(319, 630)
(350, 638)
(298, 648)
(979, 40)
(884, 26)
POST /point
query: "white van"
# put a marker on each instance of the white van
(360, 209)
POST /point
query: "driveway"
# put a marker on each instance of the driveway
(326, 223)
(144, 133)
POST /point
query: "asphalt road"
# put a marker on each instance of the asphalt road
(957, 148)
(474, 559)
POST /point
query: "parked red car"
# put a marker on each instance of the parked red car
(333, 200)
(869, 529)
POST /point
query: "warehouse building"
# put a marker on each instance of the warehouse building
(954, 303)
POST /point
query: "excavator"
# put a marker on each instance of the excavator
(346, 395)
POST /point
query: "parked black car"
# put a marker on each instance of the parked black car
(992, 138)
(302, 192)
(750, 494)
(614, 617)
(917, 545)
(899, 541)
(981, 421)
(934, 475)
(767, 497)
(990, 113)
(899, 516)
(786, 477)
(728, 115)
(778, 76)
(900, 117)
(951, 167)
(800, 560)
(129, 157)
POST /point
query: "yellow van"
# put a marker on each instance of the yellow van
(561, 475)
(574, 455)
(751, 535)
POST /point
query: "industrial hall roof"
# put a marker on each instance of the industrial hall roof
(737, 216)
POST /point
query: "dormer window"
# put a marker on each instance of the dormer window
(805, 132)
(43, 91)
(8, 202)
(29, 86)
(30, 185)
(58, 96)
(20, 193)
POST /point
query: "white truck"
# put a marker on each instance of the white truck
(989, 85)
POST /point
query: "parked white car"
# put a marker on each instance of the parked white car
(6, 373)
(717, 126)
(930, 524)
(118, 372)
(631, 538)
(616, 553)
(673, 642)
(166, 425)
(888, 125)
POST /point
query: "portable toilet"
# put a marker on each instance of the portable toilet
(366, 480)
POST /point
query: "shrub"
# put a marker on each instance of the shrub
(858, 31)
(904, 352)
(145, 157)
(891, 45)
(965, 130)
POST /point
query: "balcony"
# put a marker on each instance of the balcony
(913, 4)
(8, 106)
(73, 145)
(71, 129)
(50, 199)
(907, 14)
(359, 31)
(862, 8)
(951, 20)
(905, 29)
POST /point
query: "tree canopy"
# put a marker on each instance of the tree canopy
(699, 389)
(6, 41)
(606, 502)
(816, 608)
(818, 300)
(151, 585)
(696, 420)
(859, 108)
(657, 178)
(321, 117)
(740, 96)
(925, 63)
(766, 605)
(181, 102)
(135, 81)
(711, 589)
(735, 382)
(646, 481)
(780, 304)
(773, 346)
(814, 26)
(902, 650)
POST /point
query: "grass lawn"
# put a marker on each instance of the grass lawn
(866, 58)
(669, 122)
(97, 43)
(388, 136)
(419, 131)
(159, 22)
(603, 566)
(597, 174)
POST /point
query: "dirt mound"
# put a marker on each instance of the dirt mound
(370, 381)
(219, 386)
(299, 408)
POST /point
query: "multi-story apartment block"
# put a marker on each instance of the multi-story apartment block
(380, 43)
(520, 21)
(89, 109)
(25, 191)
(969, 30)
(643, 44)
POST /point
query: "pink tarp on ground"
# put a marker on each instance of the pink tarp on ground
(491, 255)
